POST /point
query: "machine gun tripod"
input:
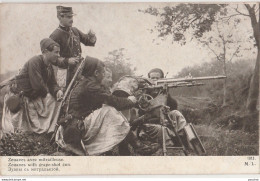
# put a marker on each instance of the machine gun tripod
(185, 140)
(154, 97)
(153, 108)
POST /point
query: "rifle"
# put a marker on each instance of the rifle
(63, 100)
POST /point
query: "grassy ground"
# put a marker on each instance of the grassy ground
(26, 144)
(224, 142)
(213, 125)
(217, 142)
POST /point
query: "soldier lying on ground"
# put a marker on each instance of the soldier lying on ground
(96, 121)
(30, 104)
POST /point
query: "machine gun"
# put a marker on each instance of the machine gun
(155, 106)
(152, 88)
(188, 79)
(175, 82)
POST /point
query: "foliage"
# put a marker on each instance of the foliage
(238, 77)
(179, 19)
(199, 18)
(214, 67)
(119, 64)
(228, 40)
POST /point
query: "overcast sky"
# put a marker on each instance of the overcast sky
(117, 25)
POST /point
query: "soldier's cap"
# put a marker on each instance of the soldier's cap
(156, 70)
(46, 42)
(62, 10)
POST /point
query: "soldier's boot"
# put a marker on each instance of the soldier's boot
(139, 146)
(72, 138)
(123, 148)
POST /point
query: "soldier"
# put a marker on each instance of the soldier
(69, 39)
(95, 117)
(30, 104)
(156, 74)
(153, 131)
(36, 78)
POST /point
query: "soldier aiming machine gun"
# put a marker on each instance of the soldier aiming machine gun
(155, 109)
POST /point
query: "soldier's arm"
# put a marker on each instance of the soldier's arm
(87, 39)
(53, 86)
(36, 80)
(120, 103)
(62, 62)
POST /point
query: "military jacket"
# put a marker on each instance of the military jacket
(88, 95)
(36, 79)
(69, 40)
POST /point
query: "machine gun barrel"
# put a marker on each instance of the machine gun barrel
(172, 80)
(173, 85)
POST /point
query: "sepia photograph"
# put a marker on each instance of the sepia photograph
(138, 79)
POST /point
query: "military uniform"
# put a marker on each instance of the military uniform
(89, 96)
(102, 126)
(69, 39)
(33, 112)
(36, 78)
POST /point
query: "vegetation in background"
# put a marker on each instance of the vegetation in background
(224, 129)
(186, 21)
(119, 64)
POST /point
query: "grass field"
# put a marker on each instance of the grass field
(217, 142)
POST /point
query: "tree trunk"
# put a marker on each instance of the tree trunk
(225, 84)
(225, 72)
(253, 95)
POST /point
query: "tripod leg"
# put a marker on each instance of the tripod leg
(164, 142)
(180, 141)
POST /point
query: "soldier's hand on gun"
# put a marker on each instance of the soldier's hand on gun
(73, 60)
(133, 99)
(138, 93)
(59, 95)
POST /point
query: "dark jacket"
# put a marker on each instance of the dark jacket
(88, 95)
(69, 40)
(36, 79)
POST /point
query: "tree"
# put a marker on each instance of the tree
(225, 45)
(196, 19)
(117, 62)
(253, 97)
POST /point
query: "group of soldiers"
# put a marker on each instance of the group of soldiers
(96, 124)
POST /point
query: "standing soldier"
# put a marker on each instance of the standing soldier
(69, 39)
